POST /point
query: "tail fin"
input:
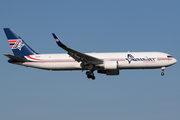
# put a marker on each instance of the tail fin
(17, 44)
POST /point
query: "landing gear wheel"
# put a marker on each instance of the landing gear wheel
(90, 75)
(163, 69)
(93, 77)
(162, 73)
(87, 73)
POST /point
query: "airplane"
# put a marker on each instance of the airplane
(105, 63)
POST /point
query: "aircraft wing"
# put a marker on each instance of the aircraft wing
(78, 56)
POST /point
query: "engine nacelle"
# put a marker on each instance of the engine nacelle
(110, 65)
(109, 72)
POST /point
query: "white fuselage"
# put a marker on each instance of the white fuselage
(125, 60)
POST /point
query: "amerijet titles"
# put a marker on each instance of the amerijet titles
(131, 58)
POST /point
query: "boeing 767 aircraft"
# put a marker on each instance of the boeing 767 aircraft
(105, 63)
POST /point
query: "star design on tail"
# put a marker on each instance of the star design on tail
(18, 45)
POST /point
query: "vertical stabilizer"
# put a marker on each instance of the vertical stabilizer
(17, 44)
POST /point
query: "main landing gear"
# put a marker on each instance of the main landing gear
(90, 74)
(163, 69)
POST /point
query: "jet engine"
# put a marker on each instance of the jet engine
(110, 68)
(110, 65)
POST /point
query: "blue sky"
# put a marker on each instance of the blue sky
(91, 26)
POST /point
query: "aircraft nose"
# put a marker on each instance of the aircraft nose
(175, 61)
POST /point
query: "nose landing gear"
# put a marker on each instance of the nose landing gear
(163, 69)
(90, 74)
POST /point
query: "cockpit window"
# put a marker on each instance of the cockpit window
(169, 56)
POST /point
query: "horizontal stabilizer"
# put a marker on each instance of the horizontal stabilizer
(15, 58)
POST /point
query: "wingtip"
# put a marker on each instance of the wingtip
(54, 35)
(6, 28)
(58, 41)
